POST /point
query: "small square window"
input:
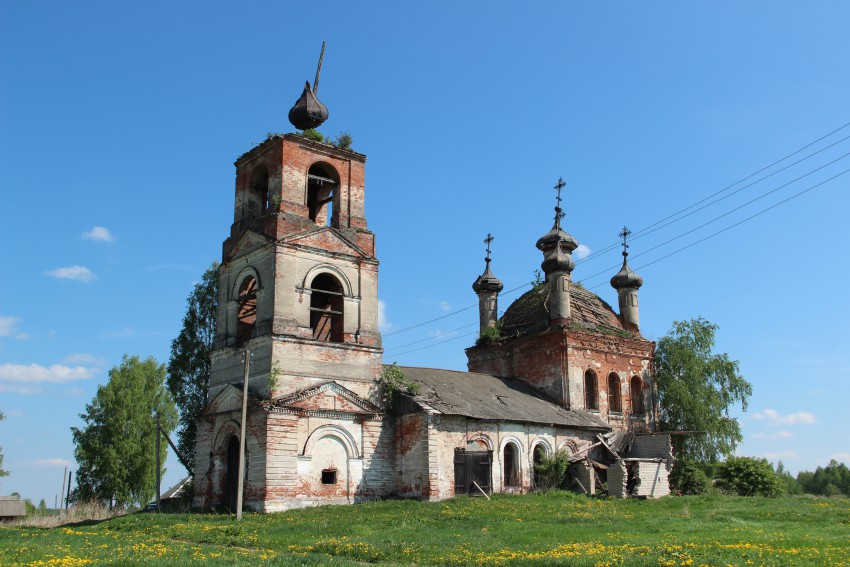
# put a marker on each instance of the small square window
(329, 476)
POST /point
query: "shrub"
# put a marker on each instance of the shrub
(314, 135)
(343, 140)
(747, 476)
(489, 336)
(689, 479)
(393, 380)
(550, 472)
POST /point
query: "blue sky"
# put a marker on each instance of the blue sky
(120, 122)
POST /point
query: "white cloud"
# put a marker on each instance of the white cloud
(841, 457)
(48, 463)
(781, 456)
(83, 358)
(445, 305)
(8, 326)
(75, 273)
(783, 435)
(440, 333)
(582, 251)
(168, 267)
(775, 418)
(35, 373)
(758, 435)
(74, 391)
(384, 324)
(98, 234)
(14, 413)
(16, 389)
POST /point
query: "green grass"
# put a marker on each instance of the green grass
(551, 529)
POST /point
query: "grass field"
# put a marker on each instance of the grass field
(550, 529)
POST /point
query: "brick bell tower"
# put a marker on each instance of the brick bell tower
(299, 288)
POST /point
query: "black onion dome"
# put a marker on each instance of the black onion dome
(556, 246)
(308, 112)
(626, 277)
(487, 281)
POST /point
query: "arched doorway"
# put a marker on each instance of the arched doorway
(510, 465)
(231, 474)
(537, 458)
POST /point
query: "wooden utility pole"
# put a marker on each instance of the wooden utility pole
(68, 496)
(243, 431)
(158, 469)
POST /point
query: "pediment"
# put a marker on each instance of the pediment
(326, 239)
(229, 399)
(248, 242)
(329, 397)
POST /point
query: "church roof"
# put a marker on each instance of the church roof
(528, 313)
(491, 398)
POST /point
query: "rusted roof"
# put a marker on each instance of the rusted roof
(491, 398)
(528, 313)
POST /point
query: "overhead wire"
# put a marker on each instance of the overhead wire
(647, 229)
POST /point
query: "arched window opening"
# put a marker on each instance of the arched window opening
(591, 391)
(247, 317)
(538, 456)
(615, 399)
(322, 197)
(260, 199)
(637, 395)
(510, 461)
(326, 309)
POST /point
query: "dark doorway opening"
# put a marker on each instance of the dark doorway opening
(471, 468)
(231, 474)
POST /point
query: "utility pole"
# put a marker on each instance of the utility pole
(158, 469)
(242, 433)
(68, 496)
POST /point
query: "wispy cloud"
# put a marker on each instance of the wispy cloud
(12, 374)
(781, 456)
(773, 417)
(127, 332)
(9, 328)
(169, 267)
(74, 391)
(18, 389)
(48, 463)
(445, 306)
(783, 435)
(582, 251)
(440, 333)
(384, 324)
(13, 413)
(73, 273)
(98, 234)
(841, 457)
(84, 358)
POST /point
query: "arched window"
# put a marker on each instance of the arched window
(615, 399)
(326, 309)
(322, 194)
(247, 316)
(259, 198)
(591, 391)
(510, 463)
(538, 454)
(637, 395)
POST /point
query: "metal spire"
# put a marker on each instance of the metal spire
(559, 212)
(487, 241)
(624, 234)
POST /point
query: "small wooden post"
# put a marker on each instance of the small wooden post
(158, 467)
(242, 433)
(64, 478)
(68, 496)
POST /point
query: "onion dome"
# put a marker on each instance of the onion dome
(557, 246)
(487, 282)
(626, 277)
(308, 111)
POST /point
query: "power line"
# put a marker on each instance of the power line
(434, 337)
(646, 230)
(435, 344)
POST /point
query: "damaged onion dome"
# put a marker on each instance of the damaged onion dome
(308, 111)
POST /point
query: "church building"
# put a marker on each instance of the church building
(559, 371)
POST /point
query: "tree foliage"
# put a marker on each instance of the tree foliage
(393, 380)
(688, 478)
(747, 476)
(550, 471)
(115, 450)
(189, 365)
(2, 472)
(832, 480)
(696, 389)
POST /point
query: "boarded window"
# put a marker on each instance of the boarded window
(326, 309)
(591, 391)
(247, 316)
(471, 468)
(615, 402)
(637, 395)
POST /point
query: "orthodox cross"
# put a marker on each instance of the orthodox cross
(559, 213)
(487, 241)
(624, 234)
